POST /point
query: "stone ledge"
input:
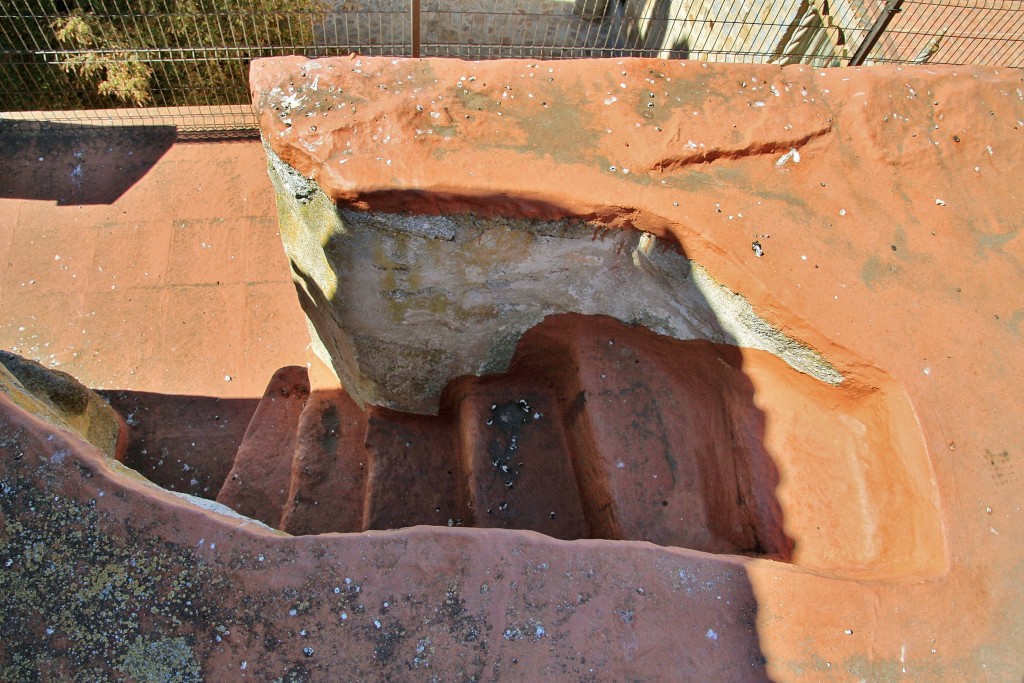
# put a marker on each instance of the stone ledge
(744, 168)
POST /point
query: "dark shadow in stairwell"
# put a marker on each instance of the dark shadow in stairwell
(850, 446)
(667, 448)
(182, 443)
(687, 415)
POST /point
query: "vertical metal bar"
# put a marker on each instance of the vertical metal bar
(416, 28)
(891, 9)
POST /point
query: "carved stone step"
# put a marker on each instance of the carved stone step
(517, 459)
(416, 475)
(257, 485)
(605, 430)
(661, 426)
(329, 469)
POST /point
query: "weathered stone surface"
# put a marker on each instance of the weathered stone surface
(258, 483)
(841, 205)
(707, 446)
(61, 400)
(401, 304)
(108, 577)
(185, 443)
(518, 463)
(928, 294)
(416, 473)
(602, 430)
(327, 489)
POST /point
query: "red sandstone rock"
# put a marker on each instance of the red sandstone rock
(328, 483)
(258, 483)
(416, 473)
(601, 430)
(703, 168)
(925, 298)
(517, 457)
(223, 598)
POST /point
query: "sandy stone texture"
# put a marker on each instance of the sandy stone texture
(892, 248)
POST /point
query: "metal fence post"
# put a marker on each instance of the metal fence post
(415, 28)
(891, 9)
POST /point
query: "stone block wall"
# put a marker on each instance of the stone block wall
(678, 29)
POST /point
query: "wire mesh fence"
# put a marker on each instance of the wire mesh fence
(154, 60)
(185, 62)
(982, 32)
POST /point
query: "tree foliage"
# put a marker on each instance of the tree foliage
(109, 64)
(109, 53)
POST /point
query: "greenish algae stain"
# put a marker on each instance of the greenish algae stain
(874, 270)
(555, 125)
(992, 242)
(162, 660)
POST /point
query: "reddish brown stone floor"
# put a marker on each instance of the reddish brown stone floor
(151, 270)
(135, 263)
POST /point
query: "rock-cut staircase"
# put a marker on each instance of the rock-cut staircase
(597, 430)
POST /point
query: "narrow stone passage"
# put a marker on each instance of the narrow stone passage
(604, 430)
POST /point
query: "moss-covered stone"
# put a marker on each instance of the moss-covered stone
(84, 605)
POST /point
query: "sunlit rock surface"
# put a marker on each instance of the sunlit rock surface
(847, 250)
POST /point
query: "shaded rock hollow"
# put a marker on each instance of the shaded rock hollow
(411, 290)
(401, 304)
(603, 430)
(420, 288)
